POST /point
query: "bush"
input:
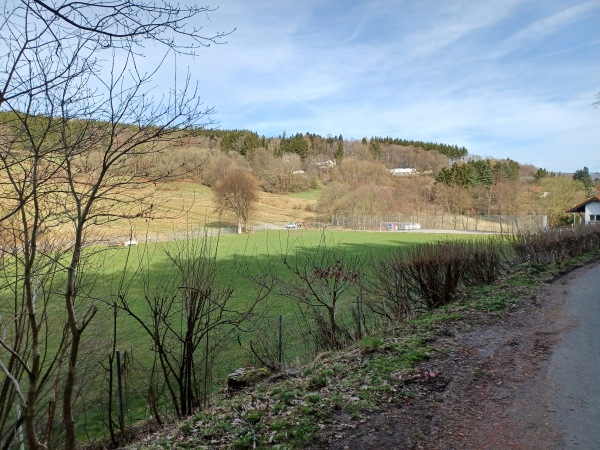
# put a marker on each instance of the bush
(433, 272)
(554, 246)
(388, 294)
(487, 261)
(427, 276)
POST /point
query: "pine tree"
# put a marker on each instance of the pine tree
(583, 176)
(339, 154)
(375, 149)
(541, 173)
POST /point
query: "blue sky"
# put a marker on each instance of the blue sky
(504, 78)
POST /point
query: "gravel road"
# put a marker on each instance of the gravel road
(573, 377)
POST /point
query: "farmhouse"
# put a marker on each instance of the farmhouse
(589, 210)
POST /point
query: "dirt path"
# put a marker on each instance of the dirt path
(524, 380)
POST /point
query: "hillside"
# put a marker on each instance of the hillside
(186, 204)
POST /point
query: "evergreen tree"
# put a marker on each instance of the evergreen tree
(339, 154)
(484, 172)
(583, 176)
(375, 149)
(541, 173)
(508, 170)
(295, 144)
(444, 176)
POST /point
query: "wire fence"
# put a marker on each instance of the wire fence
(413, 222)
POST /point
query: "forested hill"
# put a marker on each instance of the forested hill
(451, 151)
(243, 141)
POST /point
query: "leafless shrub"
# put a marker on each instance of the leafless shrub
(427, 276)
(486, 261)
(554, 246)
(388, 295)
(433, 272)
(325, 337)
(189, 318)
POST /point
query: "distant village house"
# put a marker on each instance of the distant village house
(403, 171)
(325, 164)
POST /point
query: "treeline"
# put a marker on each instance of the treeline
(243, 141)
(355, 175)
(286, 163)
(484, 172)
(451, 151)
(282, 164)
(468, 189)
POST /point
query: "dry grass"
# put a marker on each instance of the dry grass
(179, 205)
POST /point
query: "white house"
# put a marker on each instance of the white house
(403, 171)
(325, 164)
(589, 210)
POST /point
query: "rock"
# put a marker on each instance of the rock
(246, 376)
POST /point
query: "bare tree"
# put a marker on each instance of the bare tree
(191, 315)
(236, 193)
(62, 104)
(320, 278)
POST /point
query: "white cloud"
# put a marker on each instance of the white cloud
(418, 70)
(451, 21)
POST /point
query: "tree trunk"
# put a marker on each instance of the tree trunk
(76, 331)
(32, 393)
(68, 419)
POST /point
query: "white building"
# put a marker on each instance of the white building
(401, 171)
(325, 164)
(589, 210)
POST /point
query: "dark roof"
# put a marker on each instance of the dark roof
(581, 206)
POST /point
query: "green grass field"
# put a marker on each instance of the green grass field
(141, 268)
(257, 247)
(255, 250)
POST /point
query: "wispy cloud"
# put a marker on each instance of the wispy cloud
(546, 26)
(502, 77)
(450, 21)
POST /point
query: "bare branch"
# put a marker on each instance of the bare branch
(15, 383)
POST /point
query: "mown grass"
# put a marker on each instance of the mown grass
(259, 248)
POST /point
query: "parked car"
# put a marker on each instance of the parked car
(291, 225)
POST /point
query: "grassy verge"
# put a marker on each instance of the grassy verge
(288, 410)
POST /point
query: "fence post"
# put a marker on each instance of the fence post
(121, 408)
(280, 347)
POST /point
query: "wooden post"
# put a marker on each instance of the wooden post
(280, 347)
(121, 408)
